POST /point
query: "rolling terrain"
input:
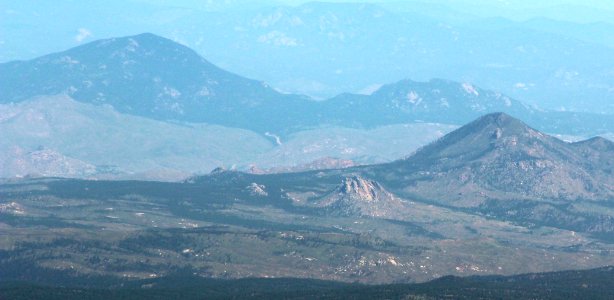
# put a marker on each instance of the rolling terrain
(373, 224)
(287, 149)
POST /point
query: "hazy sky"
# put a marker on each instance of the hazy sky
(29, 28)
(493, 5)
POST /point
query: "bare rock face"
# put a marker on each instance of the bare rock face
(358, 196)
(257, 190)
(364, 189)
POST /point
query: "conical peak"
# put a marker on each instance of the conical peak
(499, 119)
(486, 134)
(498, 125)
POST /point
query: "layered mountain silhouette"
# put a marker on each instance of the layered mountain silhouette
(154, 77)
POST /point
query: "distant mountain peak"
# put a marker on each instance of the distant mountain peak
(145, 37)
(501, 119)
(151, 76)
(148, 35)
(482, 136)
(498, 155)
(146, 46)
(500, 124)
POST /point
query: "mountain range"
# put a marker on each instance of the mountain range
(555, 57)
(492, 197)
(286, 149)
(151, 76)
(156, 79)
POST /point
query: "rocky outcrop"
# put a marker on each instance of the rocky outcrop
(358, 196)
(257, 190)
